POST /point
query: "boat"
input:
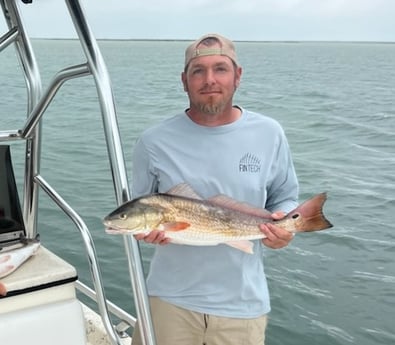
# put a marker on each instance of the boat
(42, 305)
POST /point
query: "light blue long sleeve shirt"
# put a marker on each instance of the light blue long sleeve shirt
(248, 160)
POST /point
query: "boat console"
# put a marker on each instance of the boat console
(12, 227)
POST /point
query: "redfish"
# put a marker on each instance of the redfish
(188, 219)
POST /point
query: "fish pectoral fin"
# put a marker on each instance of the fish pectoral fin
(245, 246)
(175, 226)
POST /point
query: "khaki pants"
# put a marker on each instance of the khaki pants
(178, 326)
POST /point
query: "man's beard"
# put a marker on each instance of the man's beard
(211, 108)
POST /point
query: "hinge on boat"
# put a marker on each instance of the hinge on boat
(121, 329)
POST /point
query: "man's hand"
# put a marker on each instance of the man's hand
(276, 237)
(154, 237)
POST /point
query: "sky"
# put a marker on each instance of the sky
(250, 20)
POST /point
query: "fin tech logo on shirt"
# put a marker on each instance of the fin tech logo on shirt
(250, 163)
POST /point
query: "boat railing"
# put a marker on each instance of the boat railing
(126, 320)
(38, 102)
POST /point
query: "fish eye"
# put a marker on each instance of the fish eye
(123, 216)
(295, 216)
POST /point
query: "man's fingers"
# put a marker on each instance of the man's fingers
(275, 237)
(154, 237)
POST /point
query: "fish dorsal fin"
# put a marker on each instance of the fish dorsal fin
(185, 190)
(243, 207)
(221, 200)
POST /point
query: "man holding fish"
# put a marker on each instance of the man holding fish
(213, 294)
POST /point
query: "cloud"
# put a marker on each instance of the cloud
(239, 19)
(277, 7)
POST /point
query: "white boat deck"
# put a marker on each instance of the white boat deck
(41, 301)
(27, 286)
(95, 330)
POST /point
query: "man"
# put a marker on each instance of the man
(214, 295)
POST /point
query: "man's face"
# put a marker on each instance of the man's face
(210, 82)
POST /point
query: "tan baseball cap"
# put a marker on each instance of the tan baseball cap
(226, 48)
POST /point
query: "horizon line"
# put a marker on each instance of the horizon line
(242, 41)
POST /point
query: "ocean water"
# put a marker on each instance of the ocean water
(336, 102)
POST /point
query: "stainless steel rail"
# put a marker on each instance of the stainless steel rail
(56, 83)
(114, 309)
(31, 132)
(103, 85)
(91, 254)
(17, 35)
(8, 38)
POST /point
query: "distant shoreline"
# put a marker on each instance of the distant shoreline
(238, 41)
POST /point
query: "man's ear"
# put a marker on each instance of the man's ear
(239, 72)
(184, 81)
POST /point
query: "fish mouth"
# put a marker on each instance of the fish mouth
(110, 225)
(111, 230)
(117, 230)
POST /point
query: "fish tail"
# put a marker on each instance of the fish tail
(309, 215)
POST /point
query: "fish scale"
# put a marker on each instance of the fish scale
(218, 223)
